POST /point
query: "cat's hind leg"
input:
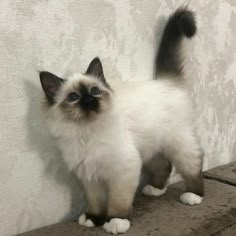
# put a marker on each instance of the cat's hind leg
(186, 155)
(158, 170)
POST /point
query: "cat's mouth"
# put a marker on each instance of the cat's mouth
(88, 116)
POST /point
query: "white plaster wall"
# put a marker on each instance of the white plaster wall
(62, 37)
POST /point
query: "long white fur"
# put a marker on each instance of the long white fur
(144, 117)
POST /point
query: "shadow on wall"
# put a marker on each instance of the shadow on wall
(41, 142)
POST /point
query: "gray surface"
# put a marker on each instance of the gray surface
(228, 231)
(166, 216)
(225, 174)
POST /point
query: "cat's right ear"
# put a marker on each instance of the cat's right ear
(95, 69)
(50, 84)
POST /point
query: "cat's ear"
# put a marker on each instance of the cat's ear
(50, 84)
(95, 69)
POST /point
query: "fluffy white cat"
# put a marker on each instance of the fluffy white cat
(109, 130)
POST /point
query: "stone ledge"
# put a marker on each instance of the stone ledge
(225, 174)
(166, 216)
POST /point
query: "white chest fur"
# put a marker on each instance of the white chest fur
(94, 151)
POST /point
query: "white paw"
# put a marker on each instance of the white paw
(149, 190)
(190, 198)
(117, 226)
(85, 222)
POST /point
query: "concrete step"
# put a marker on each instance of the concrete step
(225, 174)
(166, 216)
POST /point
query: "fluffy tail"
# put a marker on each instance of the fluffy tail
(169, 59)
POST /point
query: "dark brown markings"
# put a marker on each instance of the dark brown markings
(158, 169)
(87, 102)
(195, 184)
(95, 69)
(50, 84)
(179, 25)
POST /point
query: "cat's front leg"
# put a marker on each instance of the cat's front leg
(119, 208)
(95, 214)
(122, 190)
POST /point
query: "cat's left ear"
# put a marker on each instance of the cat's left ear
(50, 84)
(95, 69)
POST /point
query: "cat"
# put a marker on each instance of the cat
(108, 131)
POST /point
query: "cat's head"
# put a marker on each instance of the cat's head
(81, 97)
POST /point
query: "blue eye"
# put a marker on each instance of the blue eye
(72, 97)
(95, 91)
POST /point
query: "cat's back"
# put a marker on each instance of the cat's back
(152, 104)
(151, 110)
(145, 95)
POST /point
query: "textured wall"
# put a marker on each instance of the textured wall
(63, 36)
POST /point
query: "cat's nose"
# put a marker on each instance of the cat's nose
(89, 103)
(89, 99)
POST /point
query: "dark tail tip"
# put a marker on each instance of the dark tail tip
(185, 22)
(169, 59)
